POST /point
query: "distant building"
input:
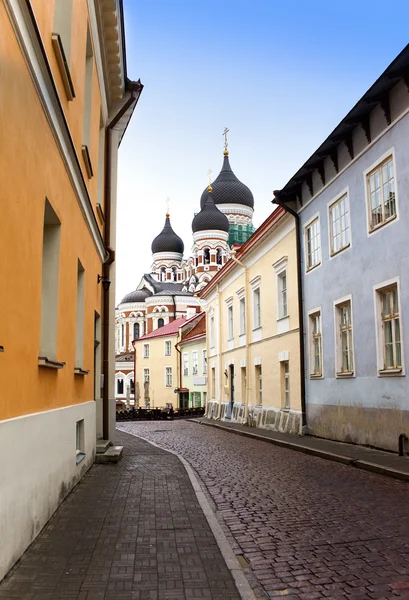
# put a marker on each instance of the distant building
(253, 345)
(351, 199)
(192, 384)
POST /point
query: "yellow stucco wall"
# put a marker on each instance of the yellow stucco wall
(33, 170)
(160, 395)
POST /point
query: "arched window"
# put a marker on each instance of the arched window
(174, 275)
(122, 334)
(163, 274)
(219, 256)
(206, 256)
(119, 386)
(132, 387)
(136, 331)
(161, 323)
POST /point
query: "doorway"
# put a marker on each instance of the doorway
(231, 378)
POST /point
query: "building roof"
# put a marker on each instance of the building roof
(136, 296)
(168, 240)
(125, 357)
(198, 330)
(378, 94)
(210, 217)
(171, 328)
(227, 189)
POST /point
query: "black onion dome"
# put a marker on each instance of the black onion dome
(210, 217)
(137, 296)
(167, 240)
(227, 189)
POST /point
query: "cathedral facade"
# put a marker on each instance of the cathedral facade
(169, 291)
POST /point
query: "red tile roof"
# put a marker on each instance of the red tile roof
(171, 328)
(198, 331)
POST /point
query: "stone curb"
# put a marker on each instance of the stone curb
(326, 455)
(232, 563)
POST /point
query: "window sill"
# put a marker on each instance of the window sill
(80, 457)
(100, 213)
(309, 269)
(79, 371)
(345, 374)
(380, 225)
(316, 376)
(340, 250)
(257, 328)
(63, 65)
(47, 363)
(87, 160)
(391, 372)
(282, 318)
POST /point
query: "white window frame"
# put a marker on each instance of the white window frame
(146, 351)
(168, 344)
(286, 393)
(168, 377)
(308, 224)
(331, 205)
(230, 323)
(281, 271)
(195, 362)
(311, 346)
(204, 359)
(185, 360)
(212, 330)
(146, 375)
(258, 372)
(339, 372)
(378, 290)
(377, 164)
(120, 377)
(242, 310)
(256, 289)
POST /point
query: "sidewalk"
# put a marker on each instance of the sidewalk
(377, 461)
(128, 531)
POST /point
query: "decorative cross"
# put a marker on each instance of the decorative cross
(167, 206)
(225, 132)
(209, 174)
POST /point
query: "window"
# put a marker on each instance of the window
(313, 244)
(213, 382)
(196, 399)
(391, 331)
(339, 225)
(316, 345)
(146, 350)
(136, 330)
(206, 255)
(344, 340)
(230, 322)
(79, 338)
(168, 376)
(243, 383)
(212, 331)
(49, 289)
(146, 376)
(195, 362)
(132, 387)
(101, 163)
(79, 441)
(256, 309)
(120, 386)
(285, 385)
(122, 334)
(185, 363)
(242, 307)
(282, 295)
(219, 256)
(204, 362)
(380, 184)
(168, 348)
(259, 385)
(161, 323)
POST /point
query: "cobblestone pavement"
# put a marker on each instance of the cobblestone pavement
(131, 531)
(309, 528)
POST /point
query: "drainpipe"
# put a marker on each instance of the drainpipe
(280, 202)
(136, 89)
(180, 369)
(221, 373)
(246, 298)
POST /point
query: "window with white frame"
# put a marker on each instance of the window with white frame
(146, 350)
(256, 308)
(122, 334)
(146, 376)
(388, 307)
(313, 244)
(185, 363)
(242, 308)
(282, 294)
(204, 357)
(212, 331)
(195, 362)
(339, 225)
(120, 386)
(230, 322)
(381, 193)
(285, 385)
(316, 345)
(259, 384)
(168, 376)
(168, 348)
(213, 382)
(344, 341)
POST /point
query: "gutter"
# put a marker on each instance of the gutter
(136, 89)
(278, 200)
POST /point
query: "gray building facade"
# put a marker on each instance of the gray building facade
(351, 199)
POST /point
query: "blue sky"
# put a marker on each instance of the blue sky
(279, 75)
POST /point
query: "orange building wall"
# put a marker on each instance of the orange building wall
(32, 170)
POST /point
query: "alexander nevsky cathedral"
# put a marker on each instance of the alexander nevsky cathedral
(168, 291)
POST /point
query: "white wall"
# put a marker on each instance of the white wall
(37, 470)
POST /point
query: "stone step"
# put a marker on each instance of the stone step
(112, 455)
(102, 446)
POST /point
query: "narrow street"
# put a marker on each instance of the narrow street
(307, 528)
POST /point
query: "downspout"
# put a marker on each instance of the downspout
(111, 257)
(180, 369)
(280, 202)
(246, 298)
(221, 374)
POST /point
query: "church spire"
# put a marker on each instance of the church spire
(226, 151)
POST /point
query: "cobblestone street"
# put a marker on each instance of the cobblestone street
(308, 528)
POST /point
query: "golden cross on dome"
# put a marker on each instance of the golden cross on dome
(167, 206)
(225, 132)
(209, 175)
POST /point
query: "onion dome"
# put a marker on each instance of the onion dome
(227, 189)
(136, 296)
(210, 217)
(167, 240)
